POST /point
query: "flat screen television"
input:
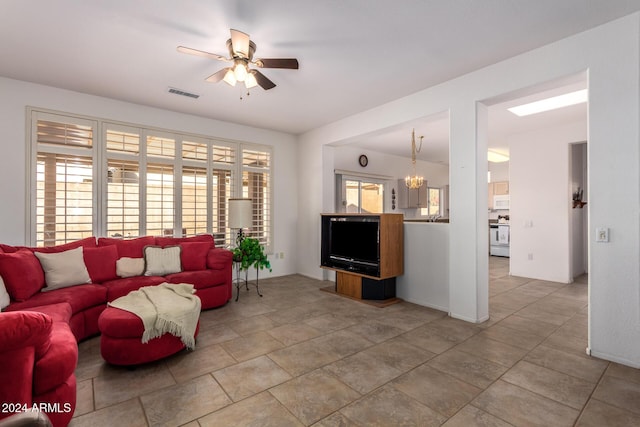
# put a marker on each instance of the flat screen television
(351, 243)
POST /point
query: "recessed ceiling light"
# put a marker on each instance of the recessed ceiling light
(552, 103)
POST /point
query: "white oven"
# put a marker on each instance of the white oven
(499, 240)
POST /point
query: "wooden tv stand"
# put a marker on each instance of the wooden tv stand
(362, 287)
(380, 289)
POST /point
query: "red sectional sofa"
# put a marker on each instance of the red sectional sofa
(39, 329)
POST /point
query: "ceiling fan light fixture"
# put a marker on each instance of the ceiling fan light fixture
(240, 71)
(230, 77)
(250, 81)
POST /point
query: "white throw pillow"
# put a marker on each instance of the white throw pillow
(4, 295)
(161, 261)
(129, 267)
(63, 269)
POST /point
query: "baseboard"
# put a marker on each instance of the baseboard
(428, 305)
(615, 359)
(468, 319)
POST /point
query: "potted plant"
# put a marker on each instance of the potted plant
(250, 253)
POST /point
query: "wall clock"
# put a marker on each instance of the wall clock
(363, 160)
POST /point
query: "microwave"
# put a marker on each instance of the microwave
(501, 201)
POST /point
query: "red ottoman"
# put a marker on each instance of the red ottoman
(121, 339)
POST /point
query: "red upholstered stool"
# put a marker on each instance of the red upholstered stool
(121, 339)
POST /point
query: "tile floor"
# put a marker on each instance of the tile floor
(300, 356)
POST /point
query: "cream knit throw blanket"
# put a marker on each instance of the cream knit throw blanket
(165, 308)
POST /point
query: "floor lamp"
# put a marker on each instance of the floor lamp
(240, 216)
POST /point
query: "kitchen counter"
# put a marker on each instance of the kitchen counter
(439, 220)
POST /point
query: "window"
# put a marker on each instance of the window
(360, 194)
(435, 202)
(433, 195)
(223, 166)
(64, 187)
(194, 188)
(123, 181)
(256, 185)
(126, 181)
(123, 198)
(160, 200)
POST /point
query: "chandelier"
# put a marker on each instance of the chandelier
(414, 181)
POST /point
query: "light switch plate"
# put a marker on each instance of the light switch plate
(602, 235)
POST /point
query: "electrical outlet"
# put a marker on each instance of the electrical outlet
(530, 257)
(281, 255)
(602, 235)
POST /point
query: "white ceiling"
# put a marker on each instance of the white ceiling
(502, 123)
(353, 54)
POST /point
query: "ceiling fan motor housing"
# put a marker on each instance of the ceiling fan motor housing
(240, 55)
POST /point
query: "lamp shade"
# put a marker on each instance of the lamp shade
(240, 213)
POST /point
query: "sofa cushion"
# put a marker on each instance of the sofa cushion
(131, 248)
(129, 267)
(199, 279)
(60, 312)
(63, 269)
(170, 241)
(101, 263)
(8, 249)
(87, 242)
(22, 274)
(121, 287)
(161, 261)
(194, 255)
(79, 298)
(119, 323)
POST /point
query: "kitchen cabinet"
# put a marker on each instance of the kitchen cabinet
(411, 198)
(499, 188)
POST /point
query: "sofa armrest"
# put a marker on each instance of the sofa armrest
(24, 338)
(20, 329)
(219, 259)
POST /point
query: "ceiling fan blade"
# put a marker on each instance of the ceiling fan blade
(197, 52)
(217, 76)
(263, 81)
(240, 43)
(290, 63)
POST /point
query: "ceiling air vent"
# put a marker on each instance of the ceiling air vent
(183, 93)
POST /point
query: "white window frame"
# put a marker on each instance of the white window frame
(100, 158)
(342, 176)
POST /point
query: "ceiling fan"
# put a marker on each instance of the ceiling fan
(241, 50)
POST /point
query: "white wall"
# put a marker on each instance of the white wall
(499, 171)
(426, 274)
(17, 95)
(540, 203)
(396, 167)
(611, 55)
